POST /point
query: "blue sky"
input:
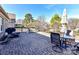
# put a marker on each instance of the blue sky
(47, 10)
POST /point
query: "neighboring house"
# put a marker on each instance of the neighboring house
(19, 21)
(19, 25)
(12, 19)
(3, 20)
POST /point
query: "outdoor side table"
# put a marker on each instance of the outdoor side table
(65, 39)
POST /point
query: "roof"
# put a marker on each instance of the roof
(3, 11)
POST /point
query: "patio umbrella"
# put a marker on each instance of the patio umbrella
(64, 21)
(64, 17)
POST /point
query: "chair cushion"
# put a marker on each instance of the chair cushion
(10, 30)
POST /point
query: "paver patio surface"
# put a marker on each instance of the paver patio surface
(28, 44)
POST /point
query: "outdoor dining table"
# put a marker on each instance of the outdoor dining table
(66, 38)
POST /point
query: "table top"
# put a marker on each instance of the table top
(67, 37)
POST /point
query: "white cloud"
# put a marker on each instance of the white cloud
(50, 6)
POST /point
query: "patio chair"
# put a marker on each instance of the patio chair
(11, 32)
(55, 40)
(69, 34)
(3, 38)
(75, 50)
(55, 37)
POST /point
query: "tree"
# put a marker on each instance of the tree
(41, 18)
(55, 21)
(28, 19)
(73, 23)
(39, 24)
(42, 25)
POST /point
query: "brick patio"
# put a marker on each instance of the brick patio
(29, 44)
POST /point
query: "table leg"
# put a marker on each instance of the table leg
(65, 43)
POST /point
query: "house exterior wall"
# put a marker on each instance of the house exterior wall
(0, 24)
(3, 23)
(6, 20)
(3, 20)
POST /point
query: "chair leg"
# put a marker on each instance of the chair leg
(57, 48)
